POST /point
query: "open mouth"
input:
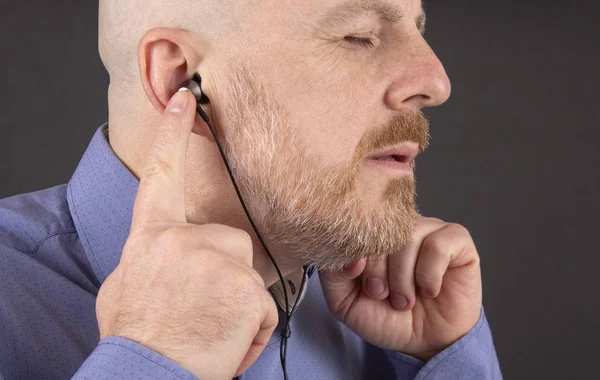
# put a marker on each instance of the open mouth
(395, 162)
(393, 157)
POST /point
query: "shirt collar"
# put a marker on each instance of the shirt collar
(101, 194)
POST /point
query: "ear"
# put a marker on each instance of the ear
(167, 58)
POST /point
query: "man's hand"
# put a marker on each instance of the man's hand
(186, 291)
(438, 273)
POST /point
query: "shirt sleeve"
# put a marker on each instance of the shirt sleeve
(472, 357)
(118, 358)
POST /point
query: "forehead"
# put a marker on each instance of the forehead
(392, 11)
(332, 13)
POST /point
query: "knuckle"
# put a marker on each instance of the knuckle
(199, 235)
(459, 229)
(434, 219)
(476, 260)
(426, 278)
(259, 280)
(433, 246)
(241, 237)
(156, 168)
(244, 239)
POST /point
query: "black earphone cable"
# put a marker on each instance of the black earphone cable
(287, 331)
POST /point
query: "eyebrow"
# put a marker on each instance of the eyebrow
(348, 11)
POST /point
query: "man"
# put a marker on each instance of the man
(145, 265)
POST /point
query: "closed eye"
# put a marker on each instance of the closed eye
(360, 41)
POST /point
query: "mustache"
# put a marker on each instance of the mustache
(409, 126)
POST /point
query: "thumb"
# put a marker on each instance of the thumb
(161, 190)
(338, 285)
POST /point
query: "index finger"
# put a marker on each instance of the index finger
(160, 196)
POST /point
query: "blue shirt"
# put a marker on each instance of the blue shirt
(58, 245)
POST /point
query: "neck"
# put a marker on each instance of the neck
(264, 266)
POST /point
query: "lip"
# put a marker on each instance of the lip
(393, 166)
(404, 153)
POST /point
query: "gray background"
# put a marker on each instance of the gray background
(513, 155)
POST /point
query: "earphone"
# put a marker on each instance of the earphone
(195, 86)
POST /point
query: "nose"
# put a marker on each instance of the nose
(419, 78)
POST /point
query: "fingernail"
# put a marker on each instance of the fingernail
(399, 302)
(179, 101)
(375, 286)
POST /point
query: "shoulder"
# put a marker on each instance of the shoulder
(38, 240)
(47, 288)
(39, 244)
(27, 220)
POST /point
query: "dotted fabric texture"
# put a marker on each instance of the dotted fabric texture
(117, 358)
(58, 245)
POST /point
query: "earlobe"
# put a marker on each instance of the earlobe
(166, 59)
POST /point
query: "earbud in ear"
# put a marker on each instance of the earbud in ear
(195, 86)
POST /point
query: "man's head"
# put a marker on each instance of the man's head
(301, 94)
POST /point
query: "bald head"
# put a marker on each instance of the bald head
(122, 23)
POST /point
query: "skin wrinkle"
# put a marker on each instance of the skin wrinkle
(297, 109)
(349, 11)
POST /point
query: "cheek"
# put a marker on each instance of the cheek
(329, 126)
(331, 114)
(340, 104)
(334, 122)
(328, 95)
